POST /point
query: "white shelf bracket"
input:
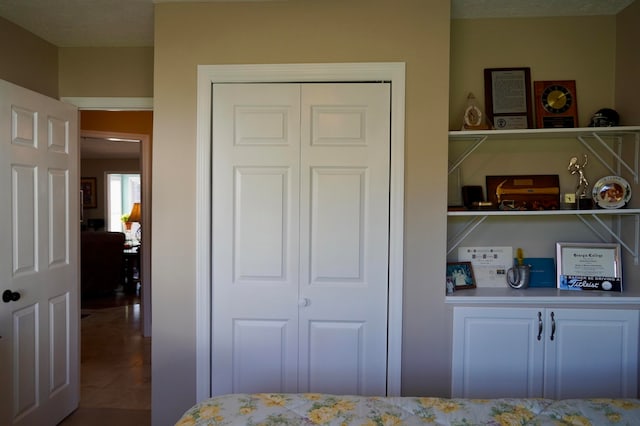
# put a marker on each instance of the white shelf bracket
(478, 141)
(632, 170)
(468, 229)
(631, 250)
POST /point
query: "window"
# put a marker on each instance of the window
(123, 189)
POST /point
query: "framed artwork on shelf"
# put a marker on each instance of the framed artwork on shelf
(461, 273)
(507, 95)
(89, 195)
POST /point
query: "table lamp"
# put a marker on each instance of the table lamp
(135, 216)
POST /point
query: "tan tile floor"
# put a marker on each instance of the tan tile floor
(115, 384)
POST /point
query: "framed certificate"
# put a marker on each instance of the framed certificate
(589, 266)
(507, 94)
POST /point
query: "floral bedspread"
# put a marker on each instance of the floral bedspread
(341, 410)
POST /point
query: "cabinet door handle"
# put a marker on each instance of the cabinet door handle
(539, 325)
(553, 325)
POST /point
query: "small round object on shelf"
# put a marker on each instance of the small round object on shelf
(611, 192)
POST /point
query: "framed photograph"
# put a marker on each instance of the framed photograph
(588, 266)
(461, 273)
(507, 95)
(89, 195)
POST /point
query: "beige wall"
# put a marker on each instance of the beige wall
(106, 71)
(628, 65)
(28, 60)
(415, 32)
(553, 48)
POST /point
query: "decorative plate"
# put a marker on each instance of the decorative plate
(611, 192)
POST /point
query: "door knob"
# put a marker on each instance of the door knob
(10, 296)
(304, 302)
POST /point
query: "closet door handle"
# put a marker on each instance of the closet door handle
(553, 325)
(539, 325)
(304, 302)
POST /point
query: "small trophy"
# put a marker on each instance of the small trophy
(473, 118)
(583, 200)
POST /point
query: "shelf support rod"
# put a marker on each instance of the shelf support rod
(618, 158)
(634, 172)
(632, 251)
(636, 157)
(467, 153)
(637, 239)
(590, 226)
(468, 229)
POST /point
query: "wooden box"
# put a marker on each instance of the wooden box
(524, 192)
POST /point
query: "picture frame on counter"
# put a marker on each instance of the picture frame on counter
(461, 274)
(588, 266)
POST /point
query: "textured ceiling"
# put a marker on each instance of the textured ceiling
(84, 23)
(534, 8)
(120, 23)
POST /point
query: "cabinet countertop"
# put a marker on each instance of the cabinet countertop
(546, 296)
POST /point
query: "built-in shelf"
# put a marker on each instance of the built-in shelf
(476, 217)
(588, 136)
(544, 133)
(594, 212)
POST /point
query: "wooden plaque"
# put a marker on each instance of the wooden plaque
(507, 94)
(556, 104)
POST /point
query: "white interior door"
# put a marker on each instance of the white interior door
(300, 237)
(344, 229)
(39, 221)
(256, 149)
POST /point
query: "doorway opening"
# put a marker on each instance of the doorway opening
(121, 183)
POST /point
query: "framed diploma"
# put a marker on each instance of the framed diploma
(507, 94)
(589, 266)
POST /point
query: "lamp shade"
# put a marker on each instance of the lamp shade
(134, 216)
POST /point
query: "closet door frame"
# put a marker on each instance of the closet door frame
(393, 72)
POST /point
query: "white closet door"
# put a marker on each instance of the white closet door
(344, 229)
(256, 154)
(300, 272)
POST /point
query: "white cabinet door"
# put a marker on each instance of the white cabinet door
(496, 352)
(591, 353)
(551, 353)
(300, 237)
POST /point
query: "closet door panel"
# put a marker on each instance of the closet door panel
(255, 154)
(260, 240)
(269, 340)
(337, 240)
(344, 222)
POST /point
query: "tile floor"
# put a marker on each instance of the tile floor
(115, 383)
